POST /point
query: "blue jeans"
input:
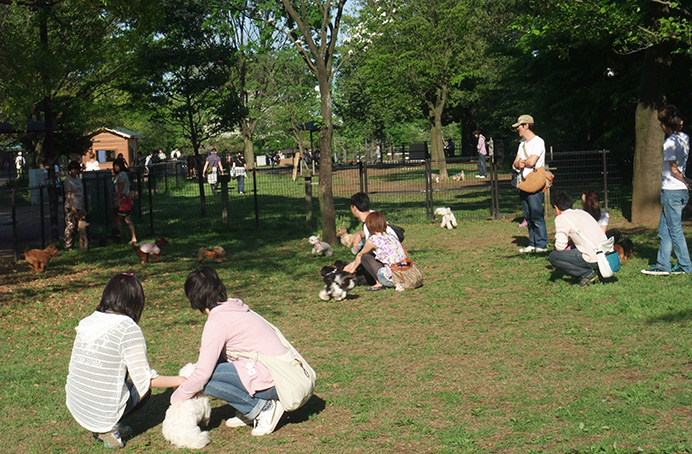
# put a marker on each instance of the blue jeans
(532, 208)
(482, 168)
(226, 385)
(572, 263)
(670, 230)
(241, 184)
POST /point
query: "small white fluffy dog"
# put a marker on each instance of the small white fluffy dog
(181, 426)
(320, 247)
(448, 219)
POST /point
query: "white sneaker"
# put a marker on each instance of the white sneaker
(540, 249)
(269, 417)
(479, 176)
(527, 249)
(238, 421)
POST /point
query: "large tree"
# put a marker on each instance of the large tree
(183, 68)
(248, 30)
(656, 33)
(57, 58)
(429, 48)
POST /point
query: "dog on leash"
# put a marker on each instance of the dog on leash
(625, 250)
(320, 247)
(337, 282)
(216, 254)
(449, 221)
(39, 258)
(82, 225)
(181, 426)
(346, 238)
(459, 176)
(150, 252)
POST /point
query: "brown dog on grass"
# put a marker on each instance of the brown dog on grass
(150, 252)
(39, 258)
(216, 254)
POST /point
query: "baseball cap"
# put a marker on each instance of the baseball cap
(524, 119)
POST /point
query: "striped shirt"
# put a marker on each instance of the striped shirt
(107, 347)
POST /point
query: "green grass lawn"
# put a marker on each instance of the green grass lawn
(497, 353)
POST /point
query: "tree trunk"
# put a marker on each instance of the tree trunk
(247, 131)
(646, 180)
(325, 184)
(436, 147)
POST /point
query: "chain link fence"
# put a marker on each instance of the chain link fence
(167, 196)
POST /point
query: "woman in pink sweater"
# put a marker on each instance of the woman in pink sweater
(231, 326)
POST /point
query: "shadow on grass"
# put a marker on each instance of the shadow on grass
(154, 412)
(672, 317)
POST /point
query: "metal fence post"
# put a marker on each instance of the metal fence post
(605, 179)
(151, 207)
(165, 177)
(494, 189)
(14, 223)
(254, 195)
(365, 178)
(43, 221)
(224, 197)
(428, 190)
(360, 175)
(107, 203)
(139, 194)
(308, 202)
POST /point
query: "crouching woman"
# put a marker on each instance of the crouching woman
(246, 384)
(110, 346)
(380, 252)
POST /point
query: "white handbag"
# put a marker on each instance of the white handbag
(294, 379)
(606, 268)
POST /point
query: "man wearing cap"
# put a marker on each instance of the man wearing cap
(530, 155)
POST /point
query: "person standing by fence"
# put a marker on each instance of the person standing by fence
(239, 171)
(530, 155)
(213, 164)
(482, 155)
(123, 201)
(74, 203)
(674, 196)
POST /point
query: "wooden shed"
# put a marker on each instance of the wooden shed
(107, 144)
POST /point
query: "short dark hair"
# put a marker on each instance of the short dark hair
(476, 133)
(73, 165)
(671, 117)
(562, 200)
(204, 289)
(361, 201)
(123, 295)
(376, 223)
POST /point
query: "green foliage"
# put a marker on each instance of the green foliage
(182, 68)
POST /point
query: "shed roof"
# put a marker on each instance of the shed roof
(126, 133)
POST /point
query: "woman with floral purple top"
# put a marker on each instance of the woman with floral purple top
(380, 252)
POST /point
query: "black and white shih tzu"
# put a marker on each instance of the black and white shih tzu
(337, 282)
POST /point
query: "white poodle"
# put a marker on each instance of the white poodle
(448, 219)
(320, 247)
(181, 426)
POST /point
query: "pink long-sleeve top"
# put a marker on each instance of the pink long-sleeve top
(232, 326)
